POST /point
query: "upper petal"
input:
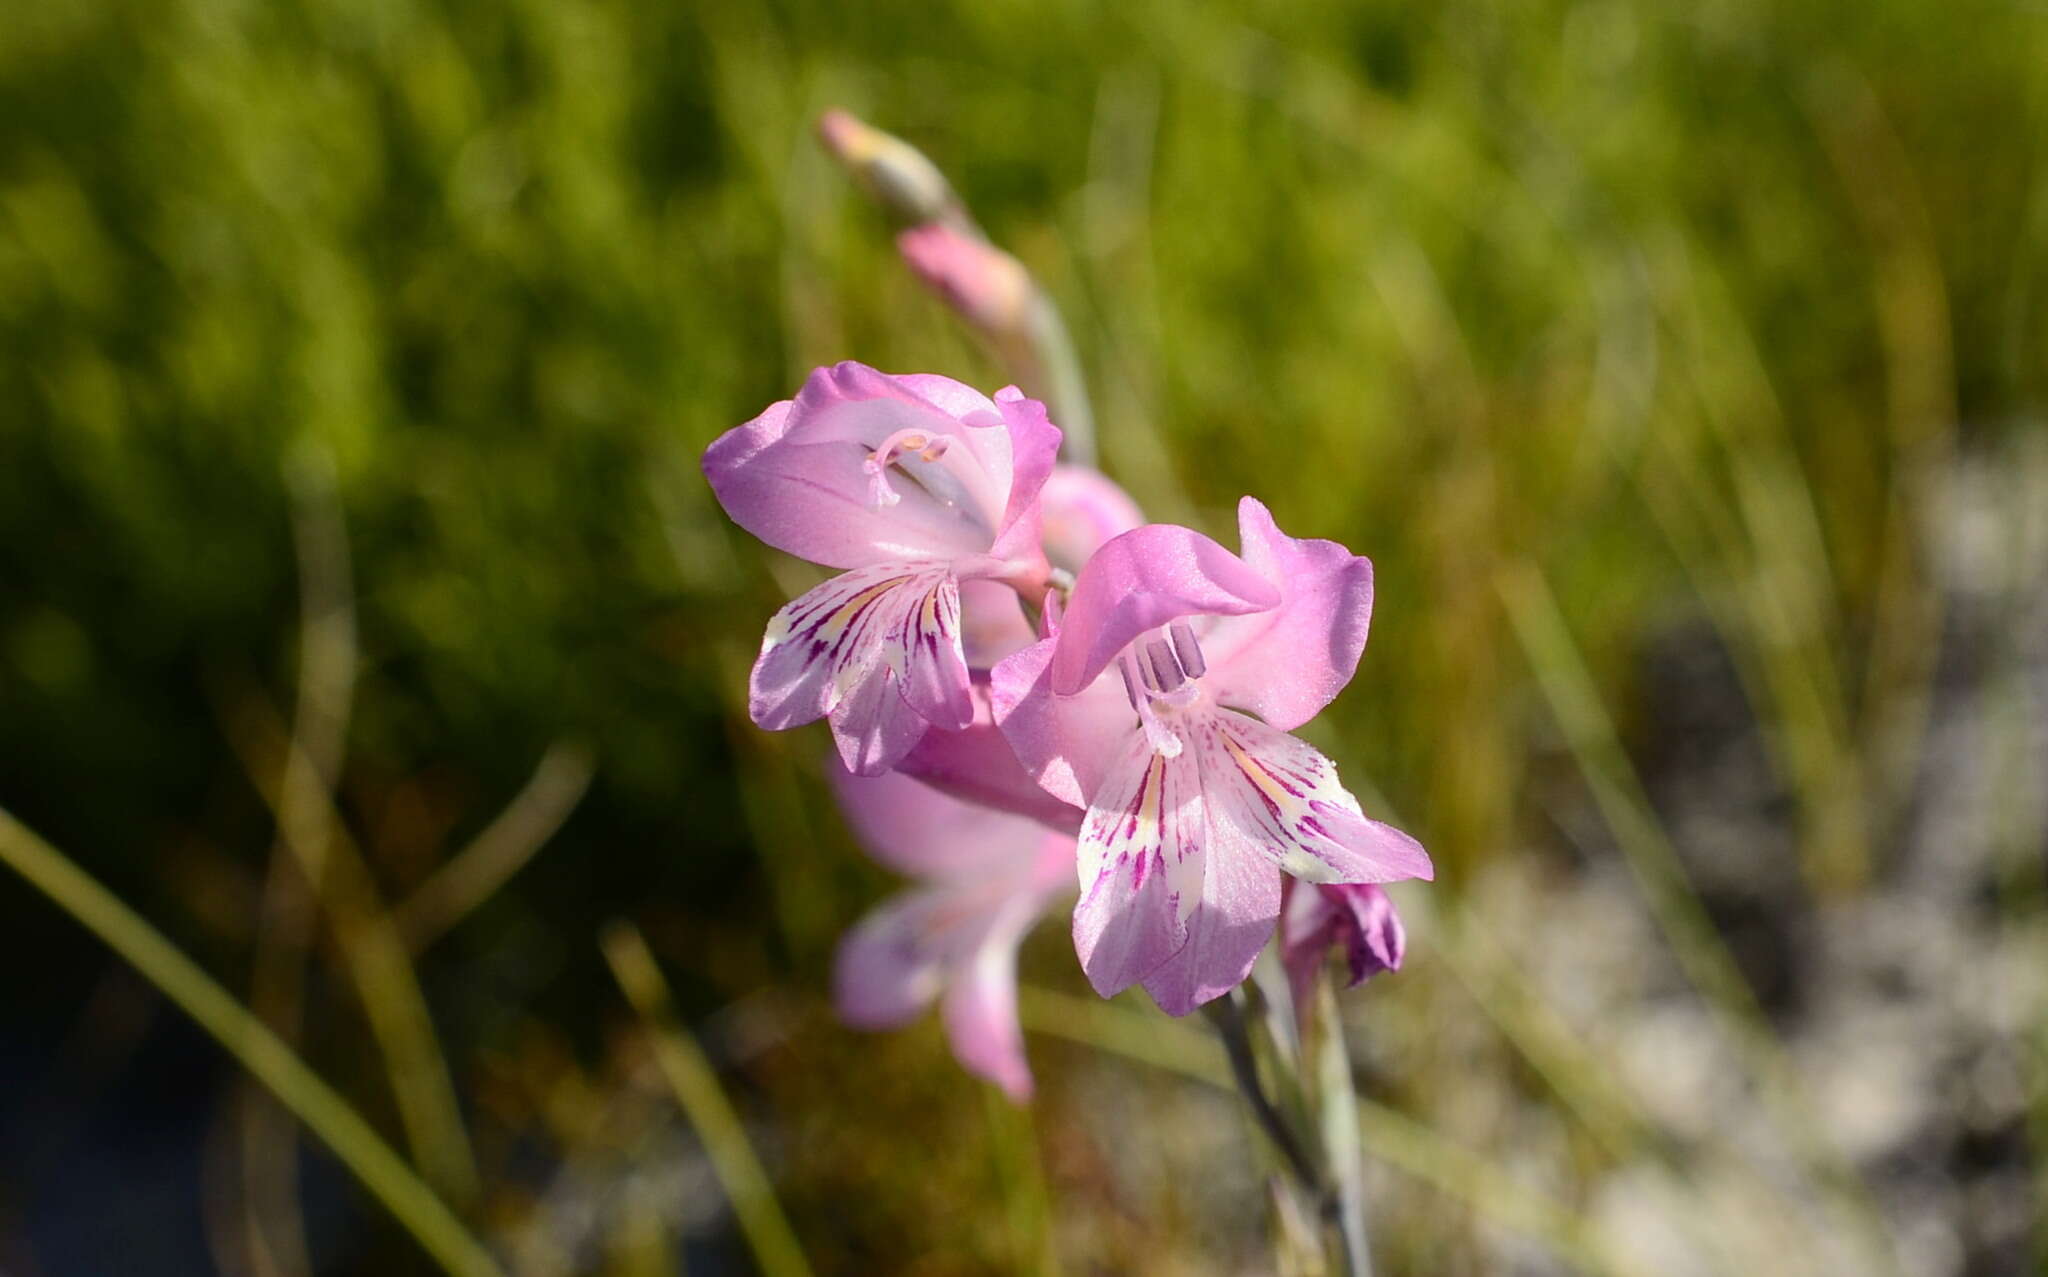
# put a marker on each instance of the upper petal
(1286, 664)
(1141, 580)
(1034, 445)
(794, 475)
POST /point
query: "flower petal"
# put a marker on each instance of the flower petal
(914, 828)
(1240, 902)
(888, 970)
(1286, 664)
(992, 623)
(875, 727)
(980, 1015)
(795, 477)
(1140, 861)
(1374, 939)
(1083, 509)
(1357, 917)
(1066, 743)
(977, 764)
(1269, 792)
(1034, 445)
(1141, 580)
(878, 649)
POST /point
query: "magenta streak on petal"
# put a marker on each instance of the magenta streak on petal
(878, 651)
(1283, 797)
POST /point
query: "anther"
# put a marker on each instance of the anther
(1165, 671)
(1189, 652)
(904, 442)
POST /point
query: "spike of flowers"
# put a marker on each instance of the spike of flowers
(1197, 799)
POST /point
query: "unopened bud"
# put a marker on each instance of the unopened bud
(897, 173)
(989, 288)
(1357, 919)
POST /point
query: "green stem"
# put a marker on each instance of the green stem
(1228, 1018)
(1328, 1058)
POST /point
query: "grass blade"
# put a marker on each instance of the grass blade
(262, 1052)
(703, 1101)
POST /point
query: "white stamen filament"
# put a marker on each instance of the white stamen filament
(903, 443)
(1161, 737)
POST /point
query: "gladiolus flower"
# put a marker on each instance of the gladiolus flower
(1357, 918)
(1162, 706)
(915, 485)
(985, 880)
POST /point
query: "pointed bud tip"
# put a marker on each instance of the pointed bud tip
(844, 135)
(897, 173)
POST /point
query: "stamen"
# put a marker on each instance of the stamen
(1166, 672)
(880, 494)
(1163, 738)
(1145, 673)
(1157, 734)
(1189, 652)
(1138, 700)
(927, 448)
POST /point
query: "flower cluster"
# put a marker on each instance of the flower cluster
(1028, 685)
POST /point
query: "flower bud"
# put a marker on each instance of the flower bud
(897, 173)
(988, 288)
(1357, 918)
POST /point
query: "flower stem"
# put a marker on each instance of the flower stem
(1337, 1109)
(1228, 1017)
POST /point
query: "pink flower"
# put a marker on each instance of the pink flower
(915, 485)
(1162, 706)
(986, 878)
(1358, 918)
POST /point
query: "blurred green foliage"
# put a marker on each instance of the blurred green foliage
(1675, 304)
